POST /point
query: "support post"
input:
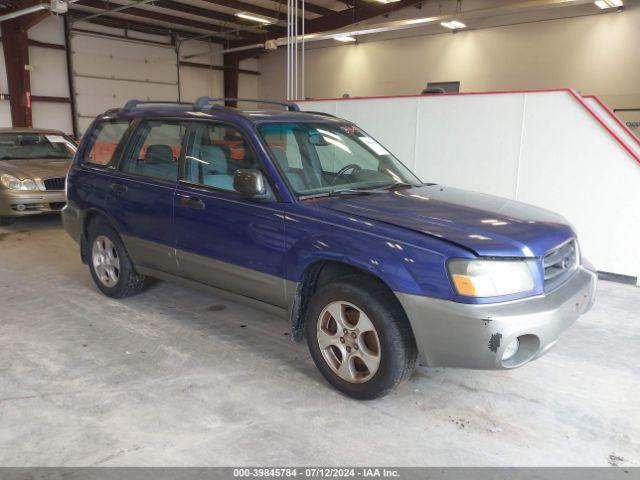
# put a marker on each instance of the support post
(16, 56)
(231, 77)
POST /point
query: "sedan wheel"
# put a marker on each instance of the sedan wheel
(106, 262)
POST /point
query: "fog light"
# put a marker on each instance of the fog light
(21, 208)
(511, 350)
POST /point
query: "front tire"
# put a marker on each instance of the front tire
(360, 338)
(110, 265)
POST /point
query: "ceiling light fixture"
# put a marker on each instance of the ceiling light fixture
(602, 4)
(344, 38)
(453, 25)
(255, 18)
(415, 21)
(388, 1)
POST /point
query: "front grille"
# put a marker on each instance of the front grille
(54, 183)
(559, 264)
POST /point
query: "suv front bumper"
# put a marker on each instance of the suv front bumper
(451, 334)
(20, 203)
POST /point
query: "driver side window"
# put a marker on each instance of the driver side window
(214, 153)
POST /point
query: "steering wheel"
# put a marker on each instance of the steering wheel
(345, 169)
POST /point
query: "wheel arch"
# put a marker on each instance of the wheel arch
(92, 216)
(323, 272)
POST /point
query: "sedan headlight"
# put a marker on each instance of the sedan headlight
(13, 183)
(490, 278)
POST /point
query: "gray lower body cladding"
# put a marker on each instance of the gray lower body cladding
(451, 334)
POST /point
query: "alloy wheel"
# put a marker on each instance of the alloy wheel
(349, 342)
(106, 262)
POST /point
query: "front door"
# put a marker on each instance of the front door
(140, 198)
(222, 239)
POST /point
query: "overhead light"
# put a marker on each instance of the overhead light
(255, 18)
(388, 1)
(453, 25)
(344, 38)
(602, 4)
(414, 21)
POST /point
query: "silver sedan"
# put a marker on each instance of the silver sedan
(33, 168)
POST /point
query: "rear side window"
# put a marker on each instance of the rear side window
(155, 149)
(104, 140)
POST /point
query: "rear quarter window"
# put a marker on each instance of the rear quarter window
(104, 141)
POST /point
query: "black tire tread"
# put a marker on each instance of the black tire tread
(131, 282)
(401, 338)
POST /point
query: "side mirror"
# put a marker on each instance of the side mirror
(250, 183)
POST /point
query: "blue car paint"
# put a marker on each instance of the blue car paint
(399, 237)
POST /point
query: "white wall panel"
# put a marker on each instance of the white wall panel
(49, 75)
(50, 30)
(471, 141)
(56, 116)
(615, 124)
(543, 148)
(196, 82)
(248, 84)
(5, 114)
(570, 164)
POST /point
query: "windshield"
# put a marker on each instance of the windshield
(24, 146)
(320, 158)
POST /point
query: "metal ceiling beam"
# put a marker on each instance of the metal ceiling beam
(171, 19)
(310, 7)
(341, 19)
(232, 20)
(126, 24)
(113, 10)
(268, 12)
(249, 8)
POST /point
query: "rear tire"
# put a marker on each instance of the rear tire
(4, 221)
(109, 263)
(359, 338)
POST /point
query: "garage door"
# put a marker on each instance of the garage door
(108, 72)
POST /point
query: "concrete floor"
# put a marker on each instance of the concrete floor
(178, 377)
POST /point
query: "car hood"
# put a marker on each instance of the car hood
(485, 224)
(35, 168)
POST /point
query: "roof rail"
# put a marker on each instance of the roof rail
(203, 102)
(324, 114)
(133, 103)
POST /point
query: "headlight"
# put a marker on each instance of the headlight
(11, 182)
(29, 185)
(490, 278)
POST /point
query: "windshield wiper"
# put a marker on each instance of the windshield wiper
(393, 186)
(342, 191)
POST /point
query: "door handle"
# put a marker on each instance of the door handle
(192, 202)
(118, 187)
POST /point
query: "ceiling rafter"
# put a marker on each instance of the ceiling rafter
(362, 11)
(171, 19)
(126, 24)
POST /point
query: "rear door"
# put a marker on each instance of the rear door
(223, 239)
(140, 193)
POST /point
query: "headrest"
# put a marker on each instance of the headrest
(159, 154)
(281, 157)
(216, 156)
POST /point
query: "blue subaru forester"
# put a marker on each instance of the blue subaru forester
(309, 217)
